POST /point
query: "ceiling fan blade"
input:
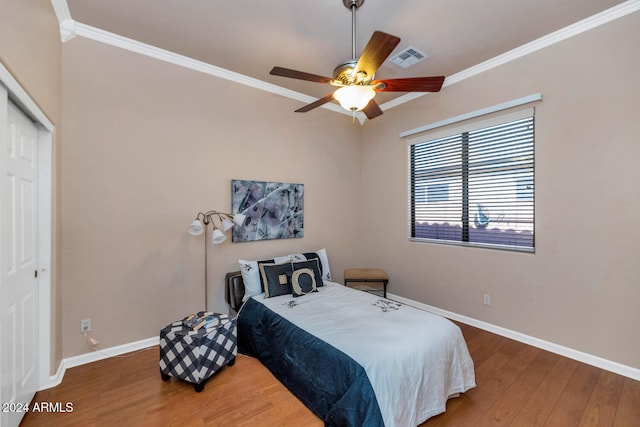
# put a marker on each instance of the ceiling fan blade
(300, 75)
(315, 104)
(411, 84)
(372, 110)
(378, 48)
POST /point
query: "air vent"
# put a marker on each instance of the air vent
(408, 57)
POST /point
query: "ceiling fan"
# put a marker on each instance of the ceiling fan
(355, 77)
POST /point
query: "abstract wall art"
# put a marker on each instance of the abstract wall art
(274, 210)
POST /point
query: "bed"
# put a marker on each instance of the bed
(353, 358)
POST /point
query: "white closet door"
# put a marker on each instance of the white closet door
(18, 262)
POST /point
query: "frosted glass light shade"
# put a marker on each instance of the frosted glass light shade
(227, 224)
(355, 97)
(239, 218)
(196, 228)
(218, 237)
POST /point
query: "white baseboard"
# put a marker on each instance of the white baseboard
(580, 356)
(94, 356)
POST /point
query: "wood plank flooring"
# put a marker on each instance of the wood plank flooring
(518, 385)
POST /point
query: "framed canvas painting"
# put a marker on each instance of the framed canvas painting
(274, 210)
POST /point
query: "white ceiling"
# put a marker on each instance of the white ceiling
(250, 37)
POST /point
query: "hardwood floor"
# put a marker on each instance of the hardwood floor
(518, 385)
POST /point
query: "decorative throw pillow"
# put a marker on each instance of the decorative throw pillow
(263, 284)
(303, 281)
(314, 265)
(321, 255)
(276, 279)
(253, 280)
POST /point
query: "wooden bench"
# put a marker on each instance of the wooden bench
(367, 275)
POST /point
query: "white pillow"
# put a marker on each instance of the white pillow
(251, 278)
(289, 258)
(324, 260)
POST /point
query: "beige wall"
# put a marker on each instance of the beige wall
(30, 50)
(582, 286)
(148, 145)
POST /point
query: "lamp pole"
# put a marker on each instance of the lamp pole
(206, 282)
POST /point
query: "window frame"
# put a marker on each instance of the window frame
(459, 130)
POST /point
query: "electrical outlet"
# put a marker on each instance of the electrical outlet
(85, 326)
(486, 299)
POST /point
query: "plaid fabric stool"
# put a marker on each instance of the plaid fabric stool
(195, 355)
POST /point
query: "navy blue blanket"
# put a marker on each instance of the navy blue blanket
(331, 384)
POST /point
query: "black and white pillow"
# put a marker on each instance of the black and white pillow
(276, 279)
(305, 277)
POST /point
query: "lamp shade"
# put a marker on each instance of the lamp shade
(239, 218)
(218, 237)
(354, 97)
(227, 224)
(196, 228)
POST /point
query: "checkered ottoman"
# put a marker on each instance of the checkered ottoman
(194, 356)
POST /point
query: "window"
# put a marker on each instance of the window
(437, 193)
(479, 184)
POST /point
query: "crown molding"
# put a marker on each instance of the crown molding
(623, 9)
(135, 46)
(61, 8)
(67, 25)
(70, 29)
(150, 51)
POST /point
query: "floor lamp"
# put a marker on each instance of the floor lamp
(226, 221)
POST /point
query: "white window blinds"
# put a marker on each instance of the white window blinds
(476, 185)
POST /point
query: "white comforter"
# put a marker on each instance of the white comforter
(414, 359)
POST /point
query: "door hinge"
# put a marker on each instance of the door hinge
(35, 274)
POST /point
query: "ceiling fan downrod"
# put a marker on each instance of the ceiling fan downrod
(353, 5)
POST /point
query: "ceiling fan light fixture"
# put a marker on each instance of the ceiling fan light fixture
(354, 97)
(355, 77)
